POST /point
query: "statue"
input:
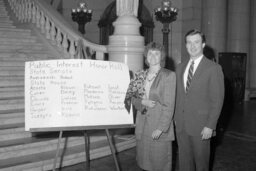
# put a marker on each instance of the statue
(127, 7)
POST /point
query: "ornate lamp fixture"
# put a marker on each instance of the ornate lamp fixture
(166, 14)
(82, 15)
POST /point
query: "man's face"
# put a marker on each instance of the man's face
(194, 45)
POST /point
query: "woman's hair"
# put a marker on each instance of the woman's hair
(193, 32)
(155, 46)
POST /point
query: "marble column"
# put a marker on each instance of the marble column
(214, 25)
(126, 44)
(239, 29)
(252, 60)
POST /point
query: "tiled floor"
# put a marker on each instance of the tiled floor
(235, 145)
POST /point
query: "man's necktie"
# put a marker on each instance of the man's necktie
(190, 75)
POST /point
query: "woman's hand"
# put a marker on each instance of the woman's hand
(156, 134)
(148, 103)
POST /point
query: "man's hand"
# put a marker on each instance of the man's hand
(206, 133)
(148, 103)
(156, 134)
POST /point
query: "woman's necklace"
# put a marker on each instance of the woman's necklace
(152, 76)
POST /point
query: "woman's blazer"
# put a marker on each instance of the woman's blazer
(160, 117)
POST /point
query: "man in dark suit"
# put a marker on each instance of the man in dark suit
(200, 94)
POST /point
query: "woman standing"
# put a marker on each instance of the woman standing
(152, 92)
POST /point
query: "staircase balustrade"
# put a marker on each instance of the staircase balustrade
(56, 29)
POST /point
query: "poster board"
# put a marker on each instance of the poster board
(75, 93)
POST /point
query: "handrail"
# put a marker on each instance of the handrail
(55, 28)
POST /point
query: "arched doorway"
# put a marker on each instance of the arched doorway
(109, 16)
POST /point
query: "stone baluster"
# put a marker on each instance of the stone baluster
(33, 13)
(65, 43)
(59, 38)
(47, 28)
(25, 11)
(11, 2)
(53, 33)
(29, 12)
(72, 50)
(38, 18)
(13, 6)
(42, 22)
(22, 11)
(99, 55)
(18, 9)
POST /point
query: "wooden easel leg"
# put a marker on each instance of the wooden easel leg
(112, 148)
(57, 153)
(87, 150)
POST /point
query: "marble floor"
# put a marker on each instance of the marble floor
(234, 149)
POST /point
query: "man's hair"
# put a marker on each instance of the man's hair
(193, 32)
(155, 46)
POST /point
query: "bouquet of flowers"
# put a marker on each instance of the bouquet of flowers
(136, 88)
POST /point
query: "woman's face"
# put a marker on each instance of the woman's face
(154, 57)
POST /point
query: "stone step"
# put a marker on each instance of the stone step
(17, 35)
(12, 68)
(6, 24)
(11, 82)
(11, 88)
(14, 30)
(12, 104)
(23, 56)
(11, 111)
(25, 46)
(8, 121)
(14, 40)
(7, 16)
(11, 94)
(12, 126)
(3, 13)
(14, 134)
(23, 51)
(14, 114)
(12, 130)
(11, 77)
(10, 72)
(5, 20)
(6, 63)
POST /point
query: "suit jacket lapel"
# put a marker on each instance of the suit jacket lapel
(199, 71)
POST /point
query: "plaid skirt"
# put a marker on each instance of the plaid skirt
(153, 155)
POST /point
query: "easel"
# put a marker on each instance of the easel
(87, 140)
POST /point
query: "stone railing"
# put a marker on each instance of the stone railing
(56, 29)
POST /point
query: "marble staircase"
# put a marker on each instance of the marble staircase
(21, 150)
